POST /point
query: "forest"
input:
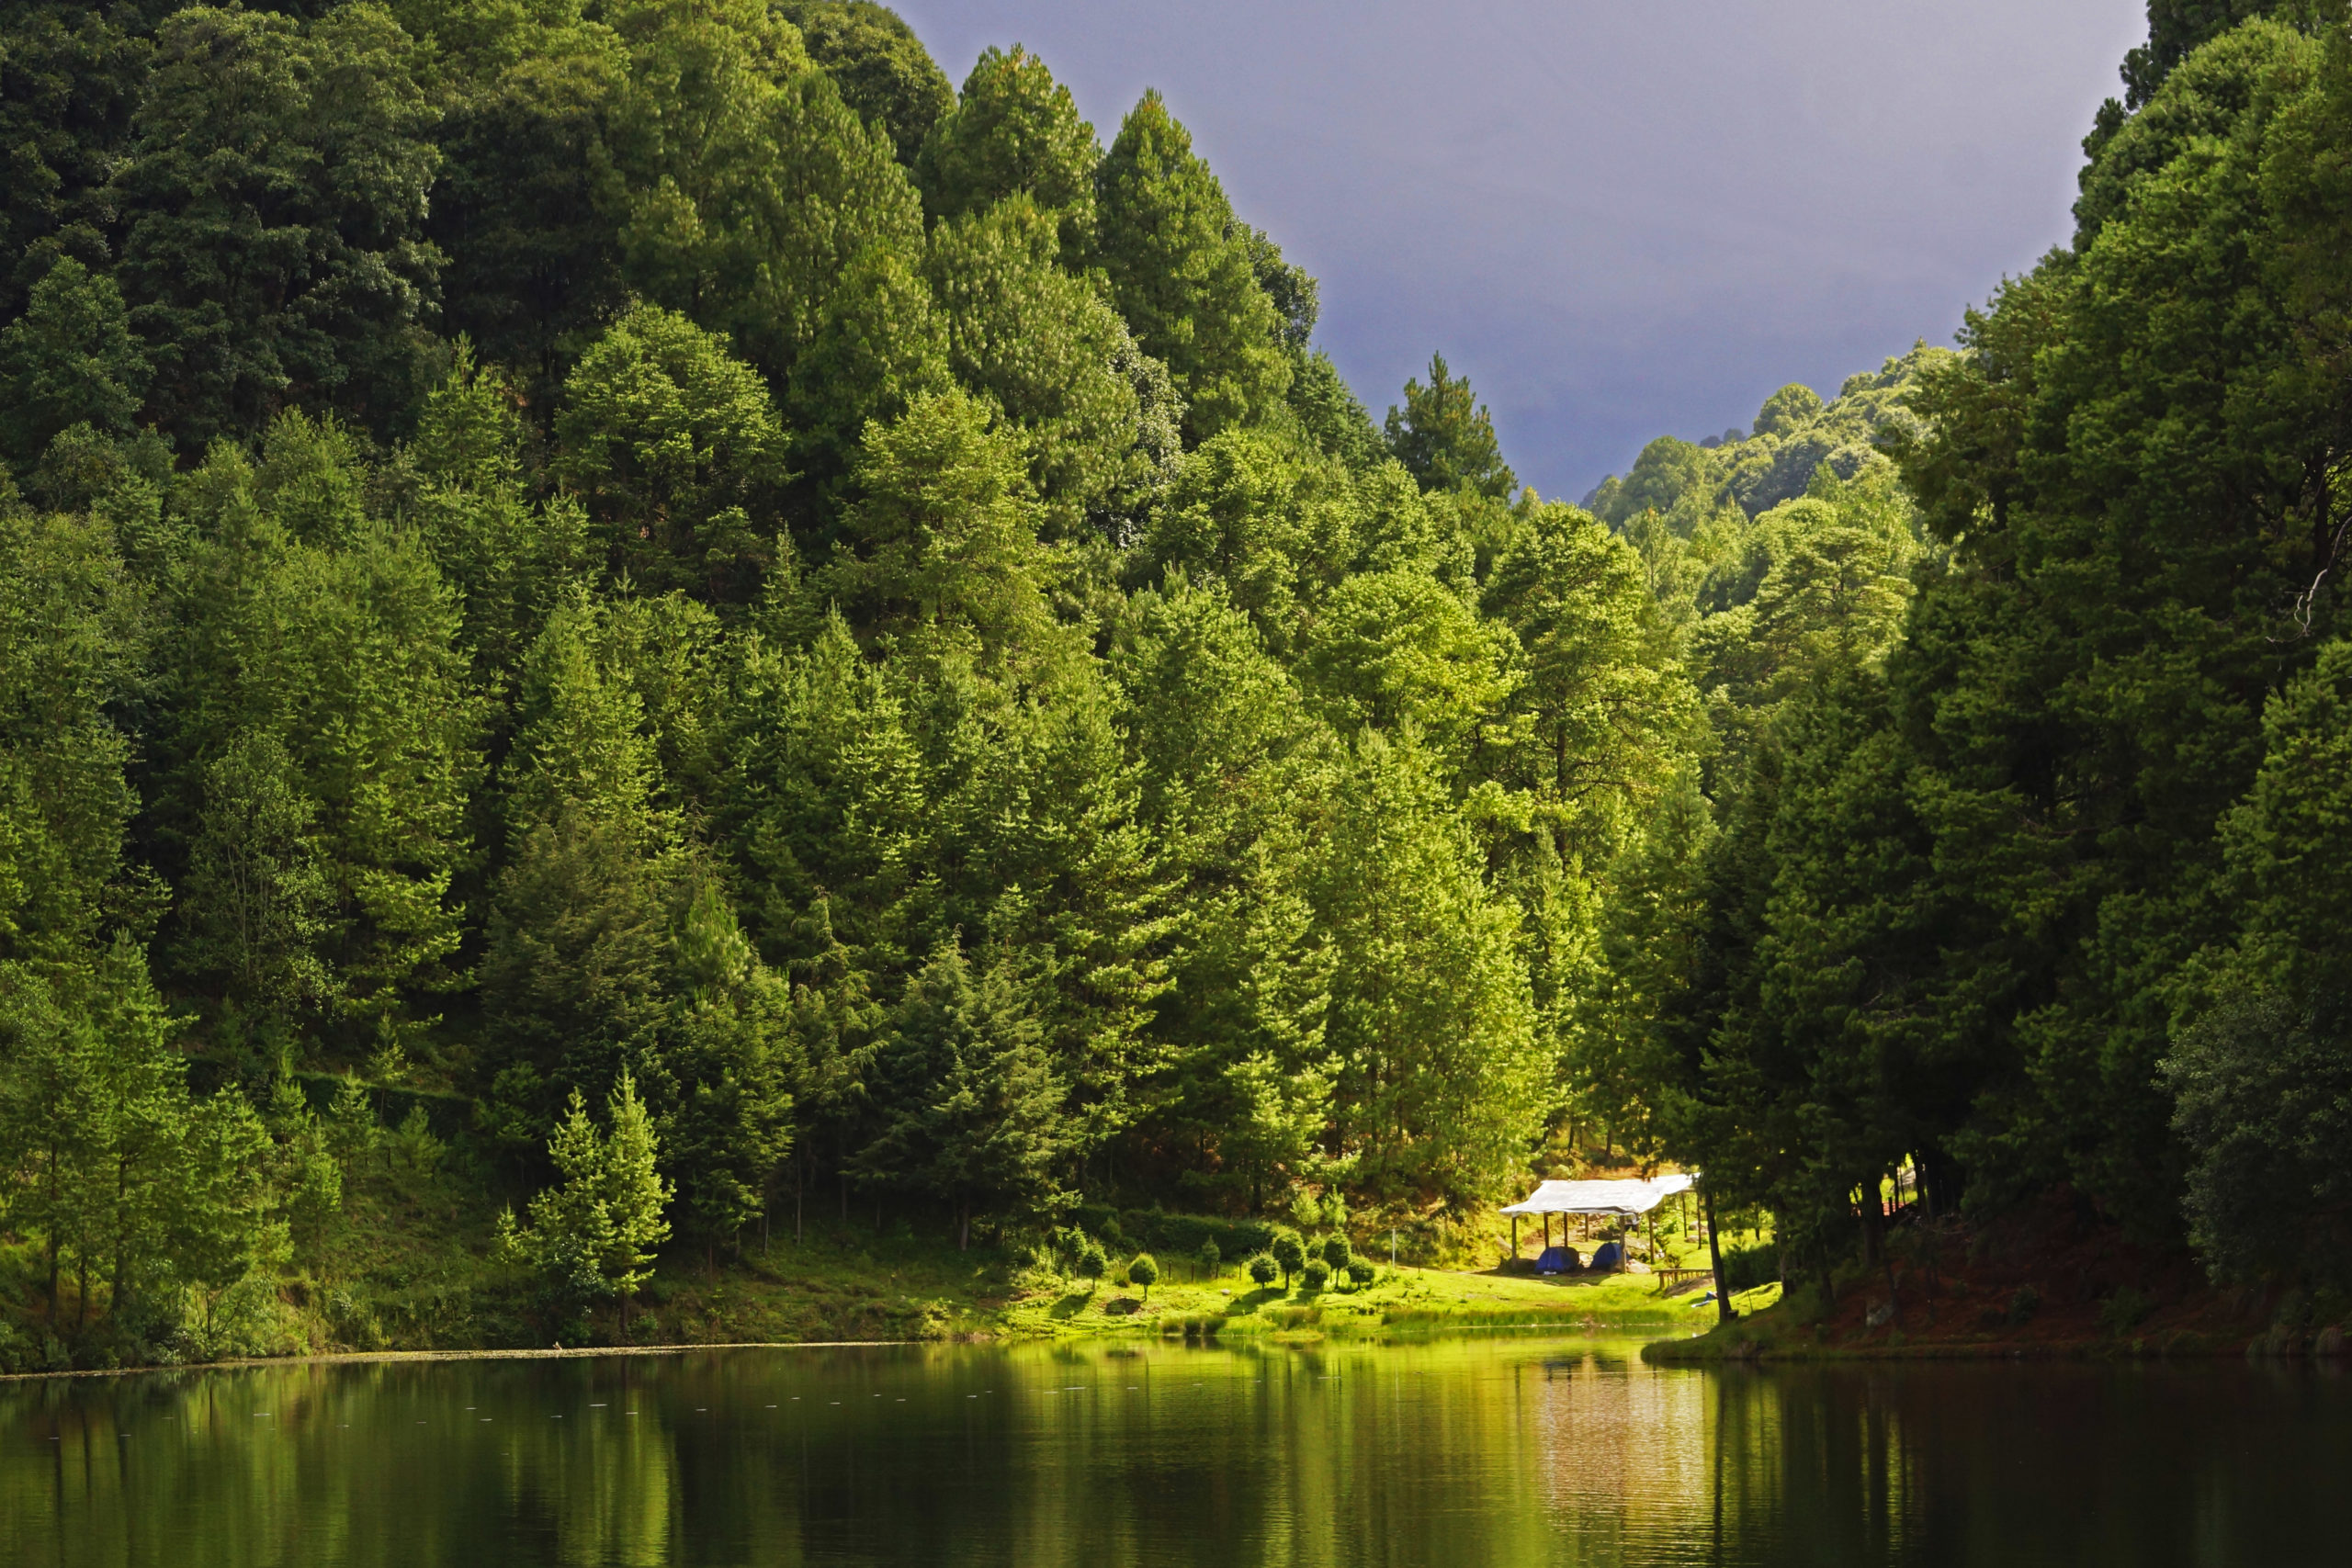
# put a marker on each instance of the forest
(652, 599)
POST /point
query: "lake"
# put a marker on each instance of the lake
(1461, 1452)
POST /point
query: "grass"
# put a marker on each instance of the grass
(408, 1266)
(1399, 1300)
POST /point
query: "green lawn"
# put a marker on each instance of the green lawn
(1399, 1300)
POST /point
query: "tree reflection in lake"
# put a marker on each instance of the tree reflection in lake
(1462, 1453)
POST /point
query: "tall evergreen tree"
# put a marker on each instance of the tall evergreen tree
(878, 64)
(1446, 437)
(1014, 130)
(674, 448)
(1183, 272)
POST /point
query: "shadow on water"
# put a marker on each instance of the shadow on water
(1522, 1451)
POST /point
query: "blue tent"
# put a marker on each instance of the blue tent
(1557, 1260)
(1608, 1255)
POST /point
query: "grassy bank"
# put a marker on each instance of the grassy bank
(408, 1264)
(1403, 1300)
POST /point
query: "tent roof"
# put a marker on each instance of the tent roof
(1601, 1197)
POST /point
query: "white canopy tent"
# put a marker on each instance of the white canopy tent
(1635, 1197)
(1623, 1200)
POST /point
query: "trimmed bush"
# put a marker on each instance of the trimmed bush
(1262, 1269)
(1361, 1272)
(1289, 1252)
(1316, 1273)
(1142, 1271)
(1337, 1252)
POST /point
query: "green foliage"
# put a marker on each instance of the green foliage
(1316, 1273)
(742, 186)
(882, 70)
(1445, 438)
(71, 647)
(272, 204)
(1428, 973)
(673, 448)
(970, 1108)
(1046, 347)
(949, 532)
(2175, 28)
(594, 1235)
(1143, 1271)
(1262, 1269)
(1702, 492)
(141, 1198)
(70, 82)
(880, 342)
(2022, 796)
(508, 557)
(877, 646)
(2261, 1089)
(69, 359)
(1184, 275)
(1014, 130)
(533, 269)
(321, 751)
(1288, 1252)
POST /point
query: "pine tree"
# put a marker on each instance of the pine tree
(1182, 273)
(1014, 130)
(69, 359)
(1446, 437)
(1046, 347)
(674, 447)
(881, 68)
(594, 1235)
(970, 1107)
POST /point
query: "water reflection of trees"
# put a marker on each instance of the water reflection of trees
(1458, 1453)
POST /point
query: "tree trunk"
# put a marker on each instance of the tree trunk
(1715, 1255)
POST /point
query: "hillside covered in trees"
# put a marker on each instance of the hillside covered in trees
(650, 602)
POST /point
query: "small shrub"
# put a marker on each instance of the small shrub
(1316, 1273)
(1210, 1258)
(1089, 1260)
(1142, 1271)
(1745, 1267)
(1289, 1252)
(1263, 1268)
(2125, 1311)
(1337, 1252)
(2024, 1303)
(1361, 1272)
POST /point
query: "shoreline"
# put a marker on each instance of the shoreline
(1176, 1332)
(346, 1357)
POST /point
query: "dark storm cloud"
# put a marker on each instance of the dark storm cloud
(1619, 219)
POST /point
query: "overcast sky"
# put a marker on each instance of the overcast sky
(1619, 217)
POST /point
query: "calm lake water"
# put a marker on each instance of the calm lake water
(1459, 1454)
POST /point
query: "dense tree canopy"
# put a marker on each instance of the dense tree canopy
(653, 556)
